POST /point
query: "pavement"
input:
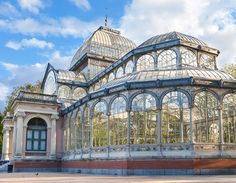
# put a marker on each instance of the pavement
(81, 178)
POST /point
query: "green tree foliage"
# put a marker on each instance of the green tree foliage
(35, 88)
(231, 69)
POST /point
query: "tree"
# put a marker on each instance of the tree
(230, 69)
(36, 88)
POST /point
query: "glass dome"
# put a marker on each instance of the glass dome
(105, 42)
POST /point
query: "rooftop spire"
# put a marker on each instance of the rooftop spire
(106, 18)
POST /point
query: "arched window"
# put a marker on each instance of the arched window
(167, 60)
(229, 118)
(78, 130)
(79, 93)
(145, 62)
(129, 67)
(63, 91)
(104, 81)
(86, 132)
(188, 58)
(36, 136)
(175, 118)
(143, 123)
(119, 72)
(207, 61)
(66, 132)
(111, 77)
(206, 118)
(99, 125)
(80, 77)
(50, 84)
(71, 132)
(118, 122)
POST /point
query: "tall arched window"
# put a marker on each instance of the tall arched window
(129, 67)
(188, 58)
(66, 132)
(119, 72)
(145, 62)
(229, 118)
(167, 60)
(64, 91)
(78, 129)
(118, 122)
(206, 118)
(71, 133)
(175, 118)
(36, 136)
(99, 125)
(86, 133)
(79, 93)
(143, 123)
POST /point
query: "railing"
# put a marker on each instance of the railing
(36, 97)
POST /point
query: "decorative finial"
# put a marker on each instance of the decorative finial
(106, 18)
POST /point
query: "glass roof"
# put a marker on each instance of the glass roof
(105, 42)
(172, 36)
(70, 75)
(171, 74)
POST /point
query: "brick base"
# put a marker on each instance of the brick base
(133, 167)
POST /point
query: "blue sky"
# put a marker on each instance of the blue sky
(35, 32)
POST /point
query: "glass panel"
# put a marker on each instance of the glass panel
(79, 93)
(175, 118)
(145, 62)
(206, 118)
(86, 128)
(188, 58)
(36, 134)
(207, 61)
(42, 145)
(43, 134)
(118, 122)
(229, 118)
(143, 123)
(36, 145)
(111, 77)
(129, 67)
(64, 91)
(99, 125)
(167, 60)
(119, 72)
(29, 134)
(29, 145)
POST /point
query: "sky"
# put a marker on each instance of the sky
(35, 32)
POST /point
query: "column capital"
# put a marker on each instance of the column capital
(54, 116)
(6, 129)
(20, 114)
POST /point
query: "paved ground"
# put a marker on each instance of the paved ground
(66, 178)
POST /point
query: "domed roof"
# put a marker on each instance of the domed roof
(172, 36)
(105, 42)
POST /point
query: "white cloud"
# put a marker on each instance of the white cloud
(32, 6)
(20, 74)
(8, 10)
(84, 4)
(36, 43)
(4, 92)
(65, 26)
(211, 21)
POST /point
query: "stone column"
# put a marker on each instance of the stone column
(3, 145)
(7, 143)
(19, 136)
(91, 136)
(14, 140)
(54, 119)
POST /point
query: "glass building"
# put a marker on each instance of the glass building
(161, 106)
